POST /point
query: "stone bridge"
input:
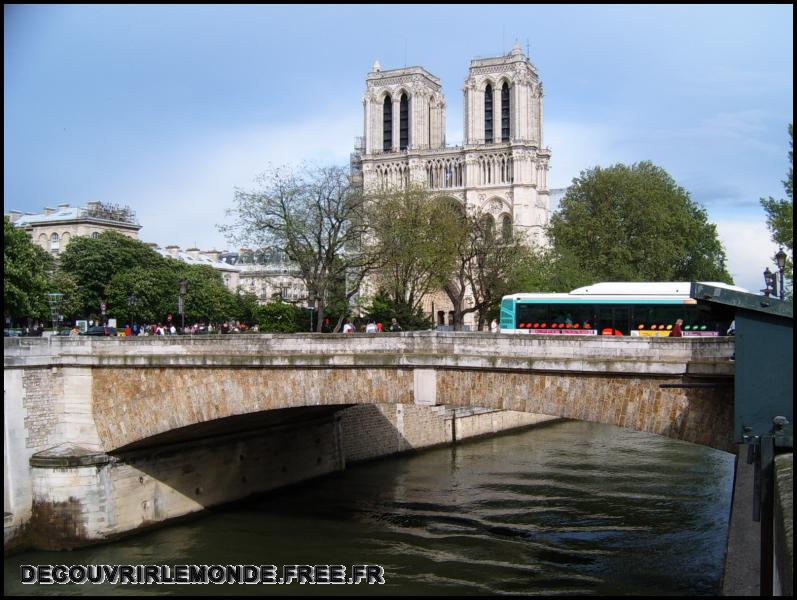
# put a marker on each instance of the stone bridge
(106, 403)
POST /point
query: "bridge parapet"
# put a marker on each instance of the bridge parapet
(697, 356)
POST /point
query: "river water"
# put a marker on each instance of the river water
(566, 508)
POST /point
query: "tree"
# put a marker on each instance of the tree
(316, 216)
(415, 237)
(483, 265)
(635, 224)
(490, 273)
(93, 263)
(280, 317)
(384, 309)
(780, 219)
(26, 269)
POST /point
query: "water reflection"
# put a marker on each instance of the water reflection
(569, 508)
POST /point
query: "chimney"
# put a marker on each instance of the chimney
(63, 206)
(212, 254)
(174, 251)
(48, 210)
(13, 215)
(192, 252)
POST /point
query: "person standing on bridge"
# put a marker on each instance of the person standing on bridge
(677, 330)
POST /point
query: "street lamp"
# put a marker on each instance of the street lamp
(54, 300)
(770, 282)
(780, 257)
(131, 303)
(181, 305)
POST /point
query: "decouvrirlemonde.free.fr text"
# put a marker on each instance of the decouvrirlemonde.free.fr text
(202, 574)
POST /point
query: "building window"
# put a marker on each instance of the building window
(488, 226)
(95, 234)
(505, 113)
(387, 125)
(404, 131)
(506, 228)
(488, 114)
(55, 243)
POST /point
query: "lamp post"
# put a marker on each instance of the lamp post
(131, 303)
(770, 282)
(780, 257)
(54, 300)
(181, 305)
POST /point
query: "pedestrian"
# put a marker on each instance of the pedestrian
(347, 328)
(379, 326)
(394, 326)
(371, 327)
(677, 331)
(494, 326)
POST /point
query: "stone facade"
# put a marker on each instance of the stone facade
(502, 167)
(52, 229)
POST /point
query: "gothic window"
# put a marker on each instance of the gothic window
(488, 226)
(505, 113)
(404, 131)
(506, 228)
(55, 243)
(95, 234)
(387, 125)
(488, 114)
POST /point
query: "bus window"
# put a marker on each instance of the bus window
(531, 313)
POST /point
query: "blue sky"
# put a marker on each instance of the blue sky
(167, 109)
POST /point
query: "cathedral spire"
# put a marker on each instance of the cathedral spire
(517, 48)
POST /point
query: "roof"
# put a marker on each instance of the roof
(710, 292)
(658, 288)
(119, 217)
(198, 260)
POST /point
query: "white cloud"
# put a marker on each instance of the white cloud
(181, 201)
(578, 146)
(749, 250)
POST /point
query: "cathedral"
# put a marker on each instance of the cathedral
(501, 168)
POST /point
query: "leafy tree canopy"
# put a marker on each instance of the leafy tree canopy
(25, 275)
(384, 309)
(93, 263)
(634, 223)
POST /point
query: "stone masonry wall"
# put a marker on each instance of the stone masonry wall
(702, 415)
(76, 505)
(371, 431)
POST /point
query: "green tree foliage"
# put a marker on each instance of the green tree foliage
(25, 275)
(634, 223)
(137, 283)
(281, 317)
(384, 308)
(93, 263)
(416, 237)
(65, 284)
(484, 265)
(780, 216)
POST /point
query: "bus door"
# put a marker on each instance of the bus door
(622, 317)
(614, 318)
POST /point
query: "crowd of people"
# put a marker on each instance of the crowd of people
(371, 327)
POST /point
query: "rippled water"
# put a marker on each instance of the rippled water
(568, 508)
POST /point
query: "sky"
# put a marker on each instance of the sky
(168, 109)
